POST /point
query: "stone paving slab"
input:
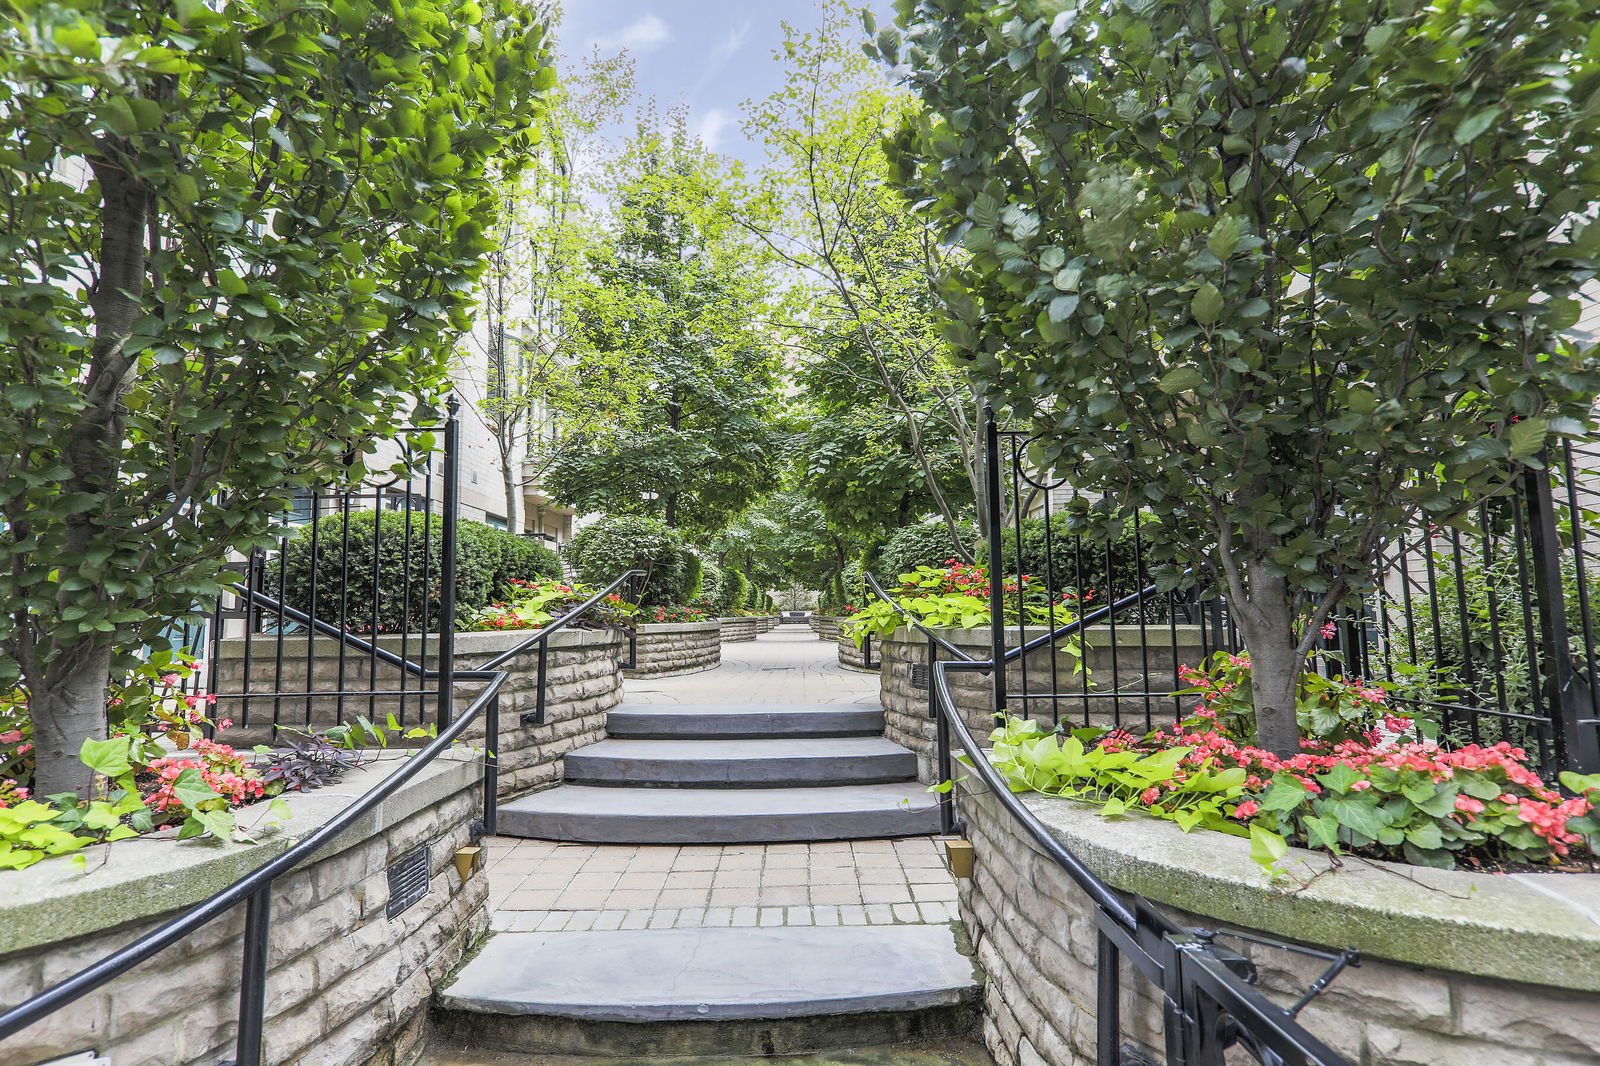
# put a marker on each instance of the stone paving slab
(701, 974)
(537, 885)
(784, 666)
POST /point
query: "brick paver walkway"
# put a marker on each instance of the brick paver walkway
(545, 886)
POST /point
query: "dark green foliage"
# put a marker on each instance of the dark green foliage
(731, 591)
(1108, 568)
(923, 544)
(604, 550)
(1293, 274)
(380, 552)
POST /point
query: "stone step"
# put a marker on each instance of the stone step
(670, 992)
(590, 815)
(735, 721)
(768, 763)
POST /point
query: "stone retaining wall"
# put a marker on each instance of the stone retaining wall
(854, 658)
(826, 628)
(1123, 655)
(1457, 968)
(766, 623)
(677, 648)
(737, 628)
(584, 682)
(347, 986)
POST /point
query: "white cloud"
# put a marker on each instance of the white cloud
(643, 34)
(710, 126)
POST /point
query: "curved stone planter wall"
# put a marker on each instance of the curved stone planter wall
(905, 697)
(825, 628)
(1457, 968)
(736, 629)
(677, 648)
(854, 658)
(766, 623)
(347, 985)
(584, 682)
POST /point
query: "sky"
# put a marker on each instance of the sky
(709, 54)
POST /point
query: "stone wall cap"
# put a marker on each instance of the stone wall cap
(680, 627)
(1098, 636)
(141, 878)
(1541, 929)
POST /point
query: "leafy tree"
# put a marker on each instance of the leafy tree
(863, 313)
(237, 243)
(529, 331)
(674, 360)
(1289, 274)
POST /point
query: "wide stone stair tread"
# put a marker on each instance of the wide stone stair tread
(599, 815)
(743, 720)
(751, 763)
(664, 975)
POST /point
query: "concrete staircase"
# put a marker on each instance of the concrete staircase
(732, 774)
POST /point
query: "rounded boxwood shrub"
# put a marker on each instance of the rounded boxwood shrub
(923, 544)
(378, 571)
(605, 549)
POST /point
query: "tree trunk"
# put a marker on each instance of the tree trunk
(511, 481)
(67, 706)
(1266, 621)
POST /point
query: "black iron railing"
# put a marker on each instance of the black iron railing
(254, 606)
(1209, 1002)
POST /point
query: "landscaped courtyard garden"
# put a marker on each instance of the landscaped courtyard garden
(1187, 411)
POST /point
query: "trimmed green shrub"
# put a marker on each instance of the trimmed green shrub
(375, 555)
(730, 592)
(1110, 569)
(604, 550)
(711, 579)
(923, 544)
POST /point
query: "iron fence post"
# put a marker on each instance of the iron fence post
(447, 565)
(491, 765)
(540, 699)
(997, 588)
(941, 732)
(1108, 1001)
(1568, 700)
(253, 977)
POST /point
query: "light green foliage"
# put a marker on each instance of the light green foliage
(535, 604)
(1075, 766)
(891, 433)
(238, 243)
(676, 381)
(1289, 274)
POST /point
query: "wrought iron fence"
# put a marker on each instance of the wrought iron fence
(1487, 632)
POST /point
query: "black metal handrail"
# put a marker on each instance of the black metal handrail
(1186, 963)
(254, 889)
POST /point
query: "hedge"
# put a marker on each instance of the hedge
(605, 549)
(382, 555)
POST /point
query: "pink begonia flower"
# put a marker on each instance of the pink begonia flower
(12, 737)
(1247, 809)
(1150, 795)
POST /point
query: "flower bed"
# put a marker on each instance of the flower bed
(157, 769)
(1367, 781)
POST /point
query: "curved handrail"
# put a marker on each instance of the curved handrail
(123, 959)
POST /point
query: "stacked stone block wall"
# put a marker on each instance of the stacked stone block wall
(677, 648)
(826, 628)
(346, 985)
(739, 628)
(1530, 997)
(766, 623)
(583, 682)
(1124, 656)
(854, 658)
